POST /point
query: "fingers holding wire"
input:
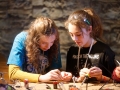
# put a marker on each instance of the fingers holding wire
(95, 72)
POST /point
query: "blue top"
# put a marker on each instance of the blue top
(18, 55)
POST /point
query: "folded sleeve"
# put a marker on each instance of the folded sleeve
(15, 73)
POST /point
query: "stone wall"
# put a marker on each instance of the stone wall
(15, 16)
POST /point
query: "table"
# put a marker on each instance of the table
(91, 86)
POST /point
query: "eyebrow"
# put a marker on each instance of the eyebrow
(76, 32)
(47, 42)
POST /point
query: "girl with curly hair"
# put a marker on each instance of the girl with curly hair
(35, 54)
(90, 57)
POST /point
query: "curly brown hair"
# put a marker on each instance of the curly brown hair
(84, 18)
(41, 26)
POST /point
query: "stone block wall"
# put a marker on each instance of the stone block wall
(16, 15)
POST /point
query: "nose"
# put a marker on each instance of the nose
(48, 46)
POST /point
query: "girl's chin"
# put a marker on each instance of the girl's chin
(44, 49)
(79, 44)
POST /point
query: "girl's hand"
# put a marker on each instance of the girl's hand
(92, 72)
(117, 71)
(66, 76)
(82, 74)
(95, 72)
(51, 75)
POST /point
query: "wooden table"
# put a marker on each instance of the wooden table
(91, 86)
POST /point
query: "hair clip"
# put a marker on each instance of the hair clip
(86, 21)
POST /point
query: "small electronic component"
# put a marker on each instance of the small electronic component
(55, 84)
(26, 83)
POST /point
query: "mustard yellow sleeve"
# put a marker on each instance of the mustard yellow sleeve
(16, 73)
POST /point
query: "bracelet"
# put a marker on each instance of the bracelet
(103, 78)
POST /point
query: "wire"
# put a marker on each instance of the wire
(104, 84)
(109, 79)
(87, 86)
(89, 53)
(84, 80)
(118, 62)
(86, 77)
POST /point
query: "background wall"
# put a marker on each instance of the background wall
(15, 16)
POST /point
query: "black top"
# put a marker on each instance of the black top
(100, 55)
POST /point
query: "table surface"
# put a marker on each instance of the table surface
(90, 86)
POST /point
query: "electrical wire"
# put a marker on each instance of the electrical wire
(86, 77)
(108, 80)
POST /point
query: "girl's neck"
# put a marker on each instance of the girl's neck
(41, 51)
(91, 41)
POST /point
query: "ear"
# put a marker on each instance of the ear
(90, 29)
